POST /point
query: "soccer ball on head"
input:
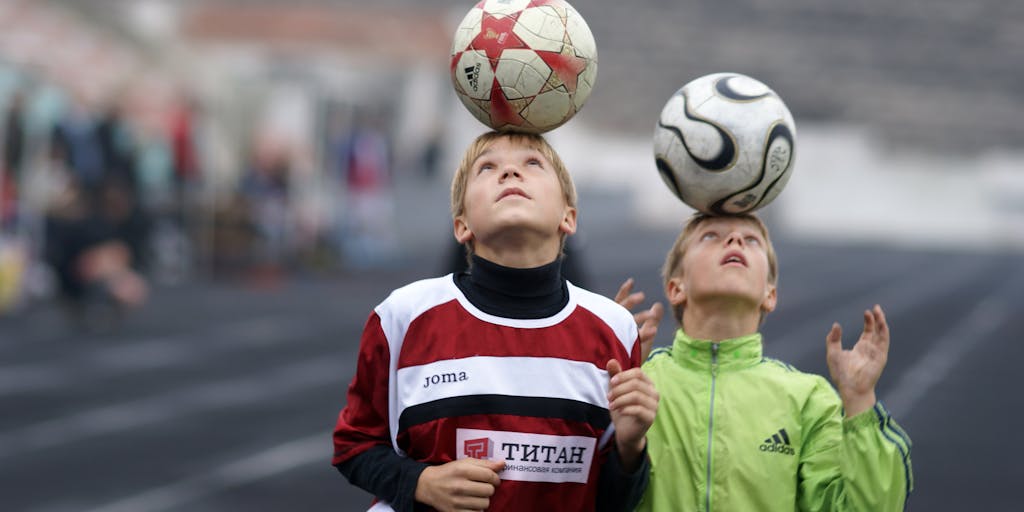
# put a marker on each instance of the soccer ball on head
(725, 144)
(523, 65)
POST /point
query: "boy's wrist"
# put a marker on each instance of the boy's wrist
(858, 403)
(422, 486)
(630, 452)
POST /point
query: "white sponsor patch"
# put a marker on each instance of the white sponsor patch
(530, 457)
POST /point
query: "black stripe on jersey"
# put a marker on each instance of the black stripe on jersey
(537, 407)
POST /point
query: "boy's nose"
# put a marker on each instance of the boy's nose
(509, 171)
(734, 237)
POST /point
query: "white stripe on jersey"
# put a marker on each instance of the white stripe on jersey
(396, 313)
(546, 377)
(618, 318)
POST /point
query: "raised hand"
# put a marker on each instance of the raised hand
(464, 484)
(647, 320)
(855, 372)
(633, 403)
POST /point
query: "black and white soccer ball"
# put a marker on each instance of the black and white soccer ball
(725, 144)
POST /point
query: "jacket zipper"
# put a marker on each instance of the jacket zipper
(711, 423)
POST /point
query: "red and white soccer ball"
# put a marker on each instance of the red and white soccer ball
(725, 144)
(523, 65)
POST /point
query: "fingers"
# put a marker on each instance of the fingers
(485, 471)
(613, 368)
(649, 328)
(624, 290)
(833, 339)
(633, 404)
(632, 387)
(651, 316)
(881, 325)
(464, 484)
(625, 298)
(869, 324)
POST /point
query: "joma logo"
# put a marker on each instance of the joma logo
(444, 378)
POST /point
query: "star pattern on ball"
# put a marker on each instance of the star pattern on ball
(496, 35)
(565, 65)
(513, 101)
(505, 111)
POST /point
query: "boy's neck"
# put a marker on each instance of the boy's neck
(521, 254)
(720, 322)
(529, 293)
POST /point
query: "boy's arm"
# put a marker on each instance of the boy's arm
(362, 439)
(385, 474)
(364, 454)
(619, 489)
(857, 463)
(861, 462)
(633, 403)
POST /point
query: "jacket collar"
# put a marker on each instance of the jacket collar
(732, 354)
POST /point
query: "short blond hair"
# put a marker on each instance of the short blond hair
(528, 140)
(674, 259)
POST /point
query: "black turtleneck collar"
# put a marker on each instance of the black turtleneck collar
(520, 293)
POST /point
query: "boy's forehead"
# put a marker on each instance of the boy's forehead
(514, 149)
(727, 221)
(509, 143)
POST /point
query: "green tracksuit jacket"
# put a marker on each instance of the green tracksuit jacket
(739, 432)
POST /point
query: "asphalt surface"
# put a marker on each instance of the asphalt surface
(222, 395)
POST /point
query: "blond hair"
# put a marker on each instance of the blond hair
(674, 260)
(482, 143)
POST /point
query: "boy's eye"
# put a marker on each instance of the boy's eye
(710, 235)
(533, 161)
(753, 240)
(486, 167)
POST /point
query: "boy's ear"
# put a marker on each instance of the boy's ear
(462, 232)
(675, 291)
(568, 224)
(770, 298)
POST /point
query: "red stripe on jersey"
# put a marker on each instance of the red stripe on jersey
(363, 423)
(448, 331)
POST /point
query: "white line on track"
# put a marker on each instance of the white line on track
(895, 298)
(942, 356)
(146, 354)
(174, 406)
(300, 452)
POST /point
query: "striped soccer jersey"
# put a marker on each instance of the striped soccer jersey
(439, 380)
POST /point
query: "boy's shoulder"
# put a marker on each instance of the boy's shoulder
(767, 367)
(796, 379)
(418, 296)
(605, 308)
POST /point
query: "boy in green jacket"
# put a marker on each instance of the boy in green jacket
(738, 432)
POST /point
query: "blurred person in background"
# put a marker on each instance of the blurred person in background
(76, 146)
(95, 246)
(369, 224)
(265, 190)
(13, 159)
(117, 145)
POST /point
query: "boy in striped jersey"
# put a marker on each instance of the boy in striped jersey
(737, 431)
(505, 387)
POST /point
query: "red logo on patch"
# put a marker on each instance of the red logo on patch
(478, 448)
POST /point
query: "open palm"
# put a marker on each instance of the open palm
(855, 372)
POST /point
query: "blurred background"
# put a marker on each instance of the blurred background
(201, 202)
